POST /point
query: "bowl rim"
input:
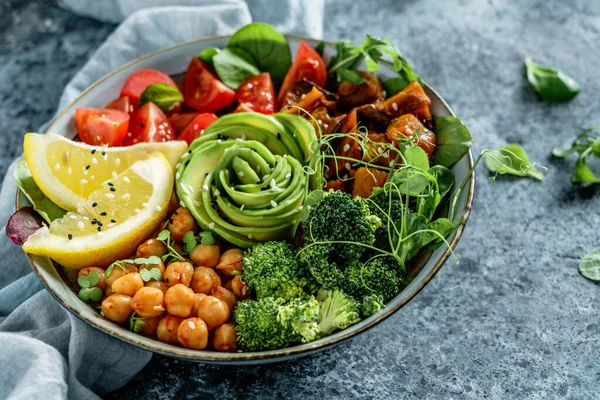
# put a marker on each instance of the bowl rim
(268, 355)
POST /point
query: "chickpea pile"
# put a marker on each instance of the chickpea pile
(192, 305)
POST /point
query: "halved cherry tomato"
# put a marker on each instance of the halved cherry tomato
(98, 126)
(308, 65)
(149, 124)
(137, 82)
(197, 127)
(181, 121)
(121, 104)
(202, 90)
(257, 94)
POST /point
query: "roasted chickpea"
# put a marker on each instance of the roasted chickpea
(167, 329)
(178, 247)
(173, 203)
(151, 247)
(108, 291)
(204, 279)
(179, 300)
(197, 299)
(226, 295)
(150, 326)
(213, 311)
(231, 261)
(224, 338)
(148, 302)
(193, 334)
(181, 222)
(158, 284)
(86, 271)
(117, 308)
(228, 285)
(128, 284)
(239, 287)
(205, 255)
(118, 272)
(178, 272)
(160, 266)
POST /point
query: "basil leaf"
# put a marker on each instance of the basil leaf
(320, 48)
(42, 204)
(166, 97)
(394, 85)
(267, 47)
(351, 76)
(550, 83)
(589, 266)
(453, 141)
(233, 68)
(510, 159)
(207, 55)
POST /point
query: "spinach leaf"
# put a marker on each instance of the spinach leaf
(441, 225)
(233, 66)
(510, 159)
(589, 266)
(43, 205)
(394, 85)
(445, 178)
(411, 242)
(453, 141)
(207, 55)
(320, 48)
(416, 157)
(269, 49)
(164, 96)
(550, 83)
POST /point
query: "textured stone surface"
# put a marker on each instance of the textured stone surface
(513, 319)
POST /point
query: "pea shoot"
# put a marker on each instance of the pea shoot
(89, 290)
(144, 273)
(165, 237)
(190, 241)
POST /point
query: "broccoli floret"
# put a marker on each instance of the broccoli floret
(324, 271)
(301, 315)
(371, 305)
(374, 277)
(338, 217)
(273, 269)
(257, 326)
(389, 211)
(337, 310)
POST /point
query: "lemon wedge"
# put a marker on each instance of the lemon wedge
(113, 220)
(68, 172)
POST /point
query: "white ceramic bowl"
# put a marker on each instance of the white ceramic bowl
(173, 61)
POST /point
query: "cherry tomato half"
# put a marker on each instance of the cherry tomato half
(121, 104)
(149, 124)
(137, 82)
(99, 126)
(308, 65)
(181, 121)
(202, 91)
(197, 127)
(257, 93)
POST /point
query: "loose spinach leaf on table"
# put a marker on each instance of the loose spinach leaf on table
(453, 140)
(166, 97)
(42, 204)
(269, 49)
(512, 160)
(586, 144)
(551, 83)
(589, 266)
(234, 66)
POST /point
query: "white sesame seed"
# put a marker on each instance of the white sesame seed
(348, 166)
(57, 166)
(264, 178)
(80, 224)
(92, 177)
(181, 203)
(288, 175)
(110, 196)
(86, 218)
(117, 161)
(126, 196)
(345, 176)
(177, 175)
(85, 171)
(217, 192)
(379, 149)
(250, 237)
(242, 207)
(243, 137)
(73, 216)
(83, 182)
(409, 131)
(240, 174)
(191, 325)
(239, 139)
(320, 121)
(105, 156)
(346, 147)
(211, 225)
(395, 106)
(158, 208)
(386, 154)
(205, 187)
(219, 141)
(178, 165)
(325, 126)
(114, 175)
(285, 156)
(391, 163)
(273, 203)
(94, 161)
(137, 210)
(110, 225)
(69, 171)
(145, 205)
(126, 179)
(197, 203)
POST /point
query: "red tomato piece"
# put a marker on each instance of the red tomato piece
(149, 124)
(197, 127)
(137, 82)
(202, 90)
(308, 65)
(99, 126)
(257, 93)
(121, 104)
(181, 121)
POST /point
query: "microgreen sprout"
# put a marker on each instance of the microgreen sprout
(152, 260)
(89, 290)
(136, 323)
(190, 241)
(165, 237)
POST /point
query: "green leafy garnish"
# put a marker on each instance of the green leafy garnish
(190, 241)
(149, 274)
(42, 204)
(586, 144)
(164, 96)
(320, 48)
(234, 66)
(550, 83)
(207, 55)
(589, 266)
(394, 85)
(512, 160)
(152, 260)
(136, 323)
(89, 290)
(372, 51)
(207, 238)
(453, 140)
(165, 237)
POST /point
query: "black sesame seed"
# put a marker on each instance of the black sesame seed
(189, 152)
(93, 222)
(103, 213)
(94, 151)
(99, 229)
(112, 189)
(103, 153)
(94, 204)
(99, 223)
(278, 136)
(113, 221)
(110, 184)
(70, 236)
(87, 167)
(186, 163)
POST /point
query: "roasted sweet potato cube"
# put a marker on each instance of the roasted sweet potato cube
(366, 179)
(410, 98)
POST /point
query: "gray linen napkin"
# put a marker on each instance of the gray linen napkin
(44, 350)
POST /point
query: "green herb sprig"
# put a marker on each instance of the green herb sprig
(89, 290)
(172, 254)
(586, 144)
(190, 241)
(512, 160)
(136, 323)
(152, 260)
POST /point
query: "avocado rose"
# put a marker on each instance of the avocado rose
(244, 179)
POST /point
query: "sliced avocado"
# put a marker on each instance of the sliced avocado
(302, 131)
